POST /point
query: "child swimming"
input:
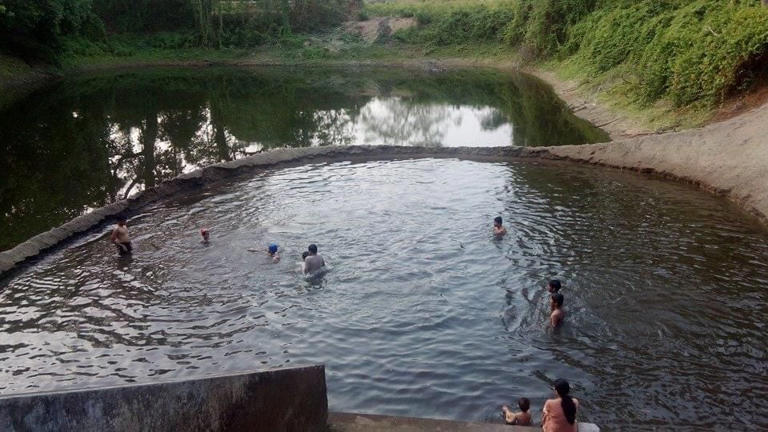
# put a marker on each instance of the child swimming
(121, 238)
(553, 286)
(272, 250)
(498, 228)
(558, 314)
(522, 418)
(313, 262)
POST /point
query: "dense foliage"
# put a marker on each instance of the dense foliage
(686, 50)
(46, 29)
(34, 29)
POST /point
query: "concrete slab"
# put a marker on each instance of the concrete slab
(348, 422)
(281, 400)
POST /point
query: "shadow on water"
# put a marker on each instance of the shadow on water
(86, 142)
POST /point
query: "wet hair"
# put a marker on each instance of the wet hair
(558, 299)
(569, 407)
(312, 248)
(122, 220)
(304, 255)
(524, 404)
(554, 284)
(497, 220)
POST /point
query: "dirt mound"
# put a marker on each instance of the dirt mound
(378, 29)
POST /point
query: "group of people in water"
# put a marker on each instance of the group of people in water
(558, 415)
(312, 262)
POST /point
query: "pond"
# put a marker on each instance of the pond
(423, 312)
(85, 142)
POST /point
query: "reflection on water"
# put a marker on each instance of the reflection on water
(85, 142)
(423, 313)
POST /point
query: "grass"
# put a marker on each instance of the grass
(12, 69)
(671, 63)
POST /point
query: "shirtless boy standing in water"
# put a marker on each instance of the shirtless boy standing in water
(121, 238)
(558, 314)
(498, 228)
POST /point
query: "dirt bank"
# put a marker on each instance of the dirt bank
(729, 158)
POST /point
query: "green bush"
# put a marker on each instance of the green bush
(36, 29)
(687, 51)
(451, 23)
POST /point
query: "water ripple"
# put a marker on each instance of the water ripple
(422, 309)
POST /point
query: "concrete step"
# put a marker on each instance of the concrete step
(348, 422)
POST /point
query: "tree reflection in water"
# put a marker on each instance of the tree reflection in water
(393, 121)
(86, 142)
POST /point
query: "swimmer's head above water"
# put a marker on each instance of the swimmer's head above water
(553, 286)
(312, 249)
(524, 404)
(498, 228)
(205, 234)
(272, 248)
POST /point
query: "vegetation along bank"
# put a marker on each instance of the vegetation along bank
(671, 62)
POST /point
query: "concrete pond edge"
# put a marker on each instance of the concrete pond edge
(286, 399)
(738, 171)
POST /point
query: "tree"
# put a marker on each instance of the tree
(33, 29)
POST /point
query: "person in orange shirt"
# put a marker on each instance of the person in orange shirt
(559, 415)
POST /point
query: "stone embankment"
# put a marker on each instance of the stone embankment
(345, 422)
(279, 400)
(288, 400)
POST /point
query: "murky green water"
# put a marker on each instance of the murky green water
(83, 143)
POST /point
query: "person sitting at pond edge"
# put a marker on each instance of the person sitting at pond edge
(553, 286)
(272, 252)
(205, 234)
(121, 238)
(522, 418)
(558, 314)
(313, 262)
(498, 228)
(559, 415)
